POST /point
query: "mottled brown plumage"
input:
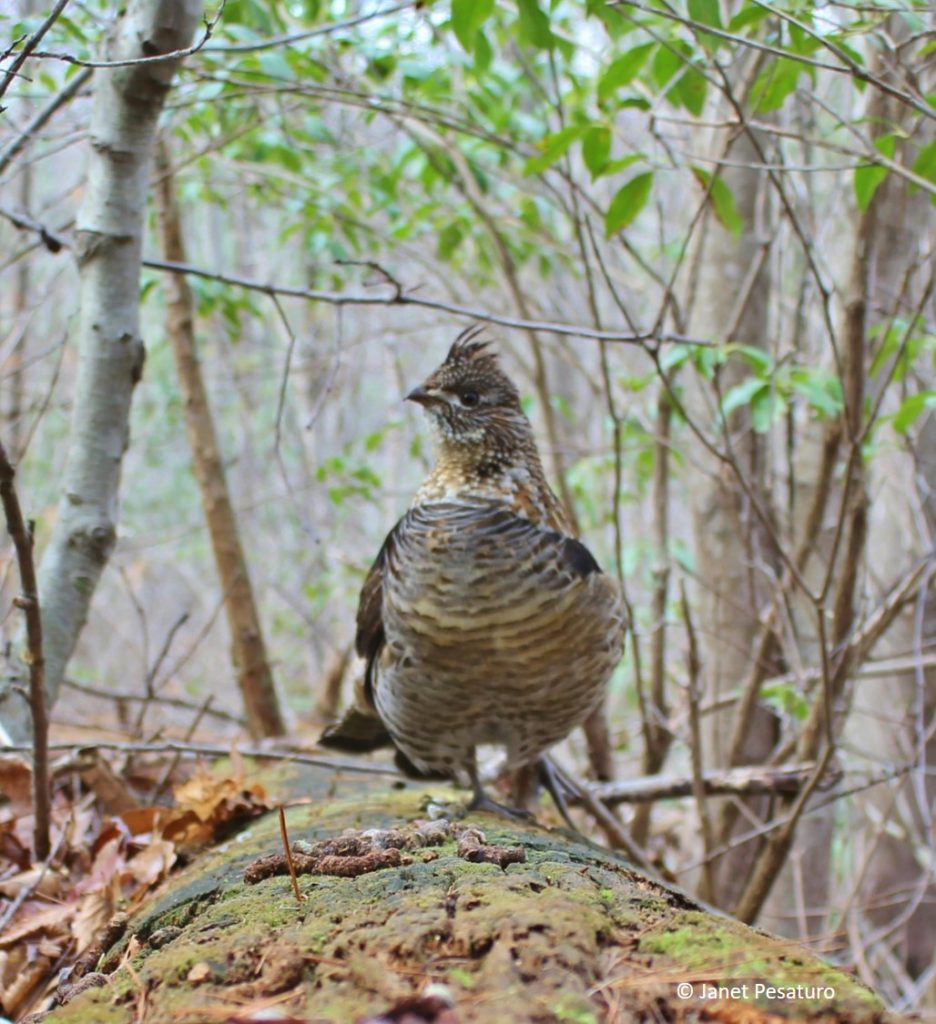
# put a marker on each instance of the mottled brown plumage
(483, 620)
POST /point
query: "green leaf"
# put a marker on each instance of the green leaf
(613, 166)
(628, 202)
(675, 356)
(911, 409)
(743, 394)
(449, 239)
(869, 178)
(623, 70)
(596, 148)
(775, 84)
(706, 12)
(822, 390)
(750, 14)
(759, 360)
(483, 53)
(553, 147)
(665, 64)
(723, 202)
(925, 165)
(534, 25)
(467, 17)
(766, 407)
(689, 90)
(787, 698)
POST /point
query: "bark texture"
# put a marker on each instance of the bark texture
(731, 303)
(249, 652)
(108, 236)
(570, 933)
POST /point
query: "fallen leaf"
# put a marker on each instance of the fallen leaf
(108, 859)
(200, 972)
(152, 863)
(16, 997)
(12, 848)
(15, 785)
(95, 909)
(31, 922)
(111, 791)
(141, 819)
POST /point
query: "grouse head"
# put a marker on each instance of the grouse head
(472, 403)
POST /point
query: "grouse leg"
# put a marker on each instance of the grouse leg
(480, 801)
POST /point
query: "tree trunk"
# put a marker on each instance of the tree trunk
(900, 929)
(109, 235)
(249, 653)
(732, 291)
(557, 930)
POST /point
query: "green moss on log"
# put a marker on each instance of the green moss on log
(573, 935)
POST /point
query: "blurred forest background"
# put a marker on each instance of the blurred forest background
(702, 235)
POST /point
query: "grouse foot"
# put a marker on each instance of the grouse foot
(480, 801)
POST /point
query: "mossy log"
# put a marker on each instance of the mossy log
(570, 934)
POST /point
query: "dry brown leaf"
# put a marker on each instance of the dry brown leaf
(15, 785)
(50, 948)
(12, 847)
(42, 882)
(188, 830)
(15, 998)
(108, 860)
(95, 909)
(30, 921)
(208, 802)
(83, 820)
(142, 819)
(153, 863)
(111, 791)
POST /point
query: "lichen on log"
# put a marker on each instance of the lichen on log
(570, 934)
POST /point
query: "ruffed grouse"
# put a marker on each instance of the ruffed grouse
(483, 621)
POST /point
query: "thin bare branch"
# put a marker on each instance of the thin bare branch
(22, 537)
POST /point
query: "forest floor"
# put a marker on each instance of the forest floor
(185, 913)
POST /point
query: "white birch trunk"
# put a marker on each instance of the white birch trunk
(109, 235)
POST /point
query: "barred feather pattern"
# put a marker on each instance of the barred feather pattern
(483, 620)
(498, 631)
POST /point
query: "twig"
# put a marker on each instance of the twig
(31, 43)
(707, 888)
(172, 702)
(28, 601)
(350, 299)
(298, 37)
(164, 652)
(851, 69)
(9, 911)
(189, 733)
(583, 795)
(630, 337)
(158, 58)
(70, 90)
(288, 852)
(221, 750)
(747, 781)
(284, 380)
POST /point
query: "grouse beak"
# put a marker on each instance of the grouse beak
(423, 397)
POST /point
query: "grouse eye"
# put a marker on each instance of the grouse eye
(469, 398)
